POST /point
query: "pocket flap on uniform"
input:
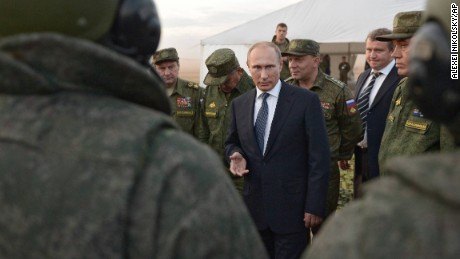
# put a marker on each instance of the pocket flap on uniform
(184, 113)
(420, 127)
(211, 114)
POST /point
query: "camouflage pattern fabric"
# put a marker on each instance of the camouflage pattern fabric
(90, 170)
(411, 213)
(185, 105)
(408, 132)
(285, 73)
(216, 117)
(343, 126)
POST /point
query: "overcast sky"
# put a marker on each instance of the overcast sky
(186, 22)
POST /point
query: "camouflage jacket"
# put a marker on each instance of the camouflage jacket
(340, 112)
(90, 167)
(185, 105)
(285, 73)
(408, 132)
(216, 113)
(411, 213)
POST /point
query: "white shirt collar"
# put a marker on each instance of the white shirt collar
(274, 92)
(386, 70)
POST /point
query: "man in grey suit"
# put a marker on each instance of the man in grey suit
(382, 67)
(285, 163)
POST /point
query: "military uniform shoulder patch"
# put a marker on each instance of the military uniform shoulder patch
(192, 85)
(351, 106)
(335, 81)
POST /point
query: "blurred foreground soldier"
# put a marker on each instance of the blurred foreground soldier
(341, 115)
(91, 164)
(407, 130)
(184, 95)
(225, 81)
(414, 211)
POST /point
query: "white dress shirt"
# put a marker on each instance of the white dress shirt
(272, 100)
(378, 83)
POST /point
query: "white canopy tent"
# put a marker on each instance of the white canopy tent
(340, 26)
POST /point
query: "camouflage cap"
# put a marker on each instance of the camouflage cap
(220, 64)
(405, 24)
(169, 54)
(300, 47)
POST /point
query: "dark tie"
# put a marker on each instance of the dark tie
(261, 122)
(363, 99)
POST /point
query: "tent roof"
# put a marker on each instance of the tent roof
(326, 21)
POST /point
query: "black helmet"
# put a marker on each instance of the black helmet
(130, 27)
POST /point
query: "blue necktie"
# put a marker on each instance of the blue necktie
(363, 100)
(261, 122)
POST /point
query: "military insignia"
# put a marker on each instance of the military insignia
(352, 110)
(417, 113)
(212, 105)
(164, 54)
(326, 105)
(184, 102)
(391, 118)
(416, 125)
(398, 102)
(351, 104)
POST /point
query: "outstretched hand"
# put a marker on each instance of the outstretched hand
(238, 164)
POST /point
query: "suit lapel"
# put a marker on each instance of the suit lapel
(361, 82)
(283, 106)
(386, 86)
(247, 120)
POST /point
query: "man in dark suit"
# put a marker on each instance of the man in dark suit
(382, 65)
(286, 163)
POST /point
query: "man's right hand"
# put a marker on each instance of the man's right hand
(238, 164)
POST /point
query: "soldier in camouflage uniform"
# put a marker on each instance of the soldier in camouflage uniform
(225, 81)
(184, 95)
(91, 164)
(413, 212)
(407, 130)
(342, 117)
(282, 42)
(344, 68)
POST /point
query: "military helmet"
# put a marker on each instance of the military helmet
(431, 78)
(130, 27)
(82, 19)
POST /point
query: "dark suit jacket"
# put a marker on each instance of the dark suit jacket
(376, 119)
(292, 177)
